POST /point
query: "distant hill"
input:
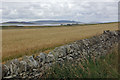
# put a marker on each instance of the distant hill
(41, 22)
(54, 21)
(15, 22)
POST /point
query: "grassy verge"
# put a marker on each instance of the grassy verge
(104, 67)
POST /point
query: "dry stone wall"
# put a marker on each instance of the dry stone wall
(32, 67)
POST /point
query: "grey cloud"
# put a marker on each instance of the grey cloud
(71, 10)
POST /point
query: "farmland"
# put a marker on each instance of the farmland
(19, 42)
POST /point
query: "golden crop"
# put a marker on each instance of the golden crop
(19, 42)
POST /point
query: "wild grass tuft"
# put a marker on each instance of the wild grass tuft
(104, 67)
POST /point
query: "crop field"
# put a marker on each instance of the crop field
(19, 42)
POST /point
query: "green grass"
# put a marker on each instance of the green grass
(104, 67)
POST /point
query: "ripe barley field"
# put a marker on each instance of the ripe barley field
(19, 42)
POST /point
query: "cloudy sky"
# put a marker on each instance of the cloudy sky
(78, 10)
